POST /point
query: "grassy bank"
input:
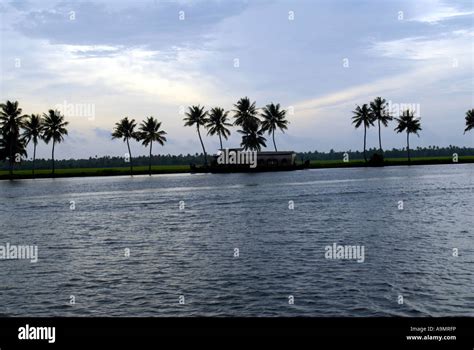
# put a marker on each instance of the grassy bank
(174, 169)
(82, 172)
(315, 164)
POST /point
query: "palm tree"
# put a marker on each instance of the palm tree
(32, 132)
(12, 145)
(217, 123)
(149, 132)
(469, 120)
(197, 116)
(361, 116)
(407, 122)
(274, 118)
(11, 120)
(378, 108)
(246, 114)
(54, 128)
(252, 138)
(125, 129)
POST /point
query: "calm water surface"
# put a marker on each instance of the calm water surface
(190, 252)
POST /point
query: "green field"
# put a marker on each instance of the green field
(137, 170)
(173, 169)
(390, 161)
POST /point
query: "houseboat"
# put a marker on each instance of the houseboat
(240, 160)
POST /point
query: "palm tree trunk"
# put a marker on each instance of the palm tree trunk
(149, 164)
(202, 144)
(365, 141)
(220, 139)
(34, 158)
(130, 155)
(408, 146)
(380, 138)
(10, 159)
(274, 144)
(52, 156)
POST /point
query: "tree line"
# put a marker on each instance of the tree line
(377, 112)
(216, 121)
(17, 130)
(198, 158)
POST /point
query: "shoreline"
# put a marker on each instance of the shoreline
(183, 169)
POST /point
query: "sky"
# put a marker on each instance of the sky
(318, 59)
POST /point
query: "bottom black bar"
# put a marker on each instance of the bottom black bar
(449, 333)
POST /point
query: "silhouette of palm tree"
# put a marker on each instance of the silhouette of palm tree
(362, 116)
(407, 122)
(252, 139)
(469, 120)
(217, 123)
(11, 120)
(33, 128)
(125, 129)
(274, 118)
(54, 128)
(378, 108)
(149, 132)
(246, 114)
(197, 116)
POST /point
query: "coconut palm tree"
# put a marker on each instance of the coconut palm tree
(469, 120)
(378, 109)
(252, 138)
(273, 119)
(11, 120)
(149, 132)
(246, 114)
(11, 144)
(197, 116)
(54, 128)
(217, 123)
(125, 129)
(407, 122)
(32, 130)
(362, 116)
(3, 148)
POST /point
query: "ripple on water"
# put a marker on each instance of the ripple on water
(191, 252)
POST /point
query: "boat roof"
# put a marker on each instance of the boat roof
(260, 152)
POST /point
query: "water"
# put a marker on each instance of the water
(190, 252)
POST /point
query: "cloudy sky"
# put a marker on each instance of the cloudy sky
(316, 58)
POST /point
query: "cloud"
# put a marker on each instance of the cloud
(129, 71)
(439, 12)
(102, 133)
(363, 92)
(444, 45)
(155, 25)
(138, 59)
(447, 55)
